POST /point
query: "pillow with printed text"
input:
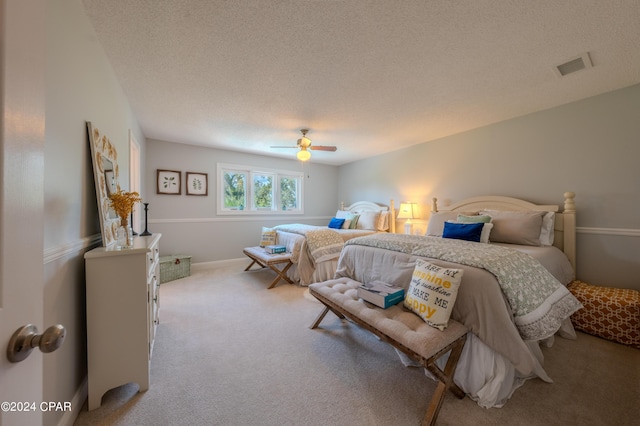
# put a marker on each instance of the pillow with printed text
(432, 292)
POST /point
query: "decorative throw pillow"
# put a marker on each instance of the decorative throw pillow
(432, 292)
(486, 231)
(463, 231)
(268, 237)
(479, 218)
(354, 221)
(437, 220)
(336, 223)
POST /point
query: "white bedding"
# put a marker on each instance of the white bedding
(304, 269)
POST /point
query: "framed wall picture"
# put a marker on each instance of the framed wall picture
(169, 182)
(197, 183)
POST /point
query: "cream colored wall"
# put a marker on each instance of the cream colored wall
(189, 224)
(80, 86)
(590, 147)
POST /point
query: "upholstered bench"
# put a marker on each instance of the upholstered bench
(610, 313)
(261, 257)
(402, 329)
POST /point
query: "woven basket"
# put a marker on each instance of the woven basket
(174, 267)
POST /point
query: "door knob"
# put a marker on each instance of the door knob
(26, 338)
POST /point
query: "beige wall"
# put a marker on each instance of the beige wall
(80, 86)
(190, 225)
(590, 147)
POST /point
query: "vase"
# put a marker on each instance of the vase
(124, 235)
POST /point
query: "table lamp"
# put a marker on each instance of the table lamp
(408, 211)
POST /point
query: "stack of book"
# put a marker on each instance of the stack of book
(275, 249)
(381, 294)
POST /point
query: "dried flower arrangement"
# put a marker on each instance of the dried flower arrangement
(122, 202)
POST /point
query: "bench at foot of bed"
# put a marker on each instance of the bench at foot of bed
(400, 328)
(261, 257)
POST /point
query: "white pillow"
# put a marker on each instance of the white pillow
(432, 293)
(486, 233)
(342, 214)
(368, 220)
(548, 225)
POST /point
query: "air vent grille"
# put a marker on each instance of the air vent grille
(576, 64)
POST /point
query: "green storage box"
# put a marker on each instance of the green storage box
(174, 267)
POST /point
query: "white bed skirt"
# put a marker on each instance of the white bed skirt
(488, 377)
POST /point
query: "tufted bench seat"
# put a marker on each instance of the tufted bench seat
(402, 329)
(261, 257)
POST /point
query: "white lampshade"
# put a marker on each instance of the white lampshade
(303, 155)
(408, 211)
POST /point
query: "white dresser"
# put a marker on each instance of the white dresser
(122, 314)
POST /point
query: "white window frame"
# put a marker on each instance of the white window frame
(252, 171)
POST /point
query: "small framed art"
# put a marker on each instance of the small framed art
(197, 183)
(168, 182)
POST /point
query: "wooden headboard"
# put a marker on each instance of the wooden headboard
(565, 224)
(368, 206)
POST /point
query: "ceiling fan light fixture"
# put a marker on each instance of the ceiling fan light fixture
(304, 142)
(303, 154)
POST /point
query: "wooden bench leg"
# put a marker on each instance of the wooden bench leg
(281, 274)
(252, 263)
(324, 312)
(320, 317)
(445, 382)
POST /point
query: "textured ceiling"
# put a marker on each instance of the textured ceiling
(367, 76)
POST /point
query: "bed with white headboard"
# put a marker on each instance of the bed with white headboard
(503, 348)
(360, 218)
(564, 225)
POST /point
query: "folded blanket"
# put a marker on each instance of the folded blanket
(324, 244)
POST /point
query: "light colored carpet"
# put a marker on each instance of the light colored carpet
(230, 352)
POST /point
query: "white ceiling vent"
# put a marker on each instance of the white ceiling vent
(576, 64)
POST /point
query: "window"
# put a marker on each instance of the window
(249, 190)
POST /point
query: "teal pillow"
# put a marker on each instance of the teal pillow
(463, 231)
(480, 218)
(336, 223)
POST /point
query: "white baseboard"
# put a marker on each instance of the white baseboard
(70, 417)
(220, 263)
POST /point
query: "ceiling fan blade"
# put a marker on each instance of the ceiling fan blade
(285, 147)
(323, 148)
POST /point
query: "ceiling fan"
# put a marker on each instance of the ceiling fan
(304, 144)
